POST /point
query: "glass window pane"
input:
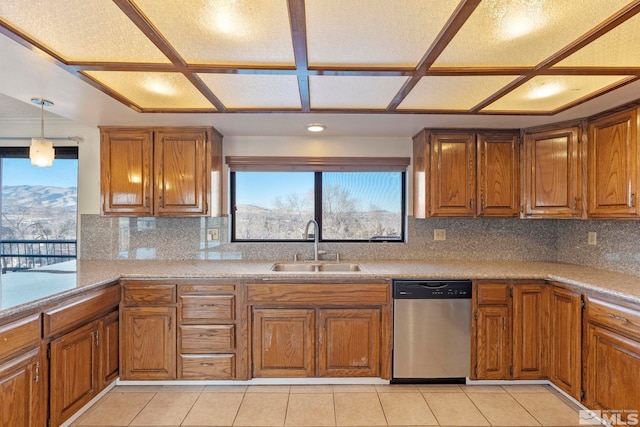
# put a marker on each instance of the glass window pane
(272, 205)
(362, 206)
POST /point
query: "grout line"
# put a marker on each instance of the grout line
(384, 413)
(239, 406)
(191, 408)
(155, 393)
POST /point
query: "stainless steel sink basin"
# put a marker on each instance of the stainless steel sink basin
(315, 268)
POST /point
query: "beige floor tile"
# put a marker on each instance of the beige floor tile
(182, 389)
(137, 389)
(454, 409)
(166, 409)
(268, 389)
(225, 389)
(115, 409)
(311, 410)
(354, 388)
(262, 409)
(306, 389)
(501, 409)
(548, 409)
(396, 388)
(440, 388)
(406, 409)
(521, 388)
(214, 409)
(482, 389)
(358, 409)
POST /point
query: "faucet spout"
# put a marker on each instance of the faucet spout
(316, 232)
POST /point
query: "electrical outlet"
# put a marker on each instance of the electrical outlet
(439, 234)
(593, 238)
(213, 234)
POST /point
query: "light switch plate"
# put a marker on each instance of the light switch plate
(593, 238)
(213, 234)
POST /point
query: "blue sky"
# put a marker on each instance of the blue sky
(261, 188)
(63, 173)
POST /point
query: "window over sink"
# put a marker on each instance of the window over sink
(351, 199)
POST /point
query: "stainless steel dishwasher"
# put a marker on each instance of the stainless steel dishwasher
(431, 330)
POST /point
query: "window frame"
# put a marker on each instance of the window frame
(318, 165)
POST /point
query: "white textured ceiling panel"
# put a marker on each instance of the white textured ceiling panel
(154, 90)
(353, 92)
(452, 92)
(548, 93)
(523, 32)
(378, 33)
(251, 91)
(225, 31)
(82, 30)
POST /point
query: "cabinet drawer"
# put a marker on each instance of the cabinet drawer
(151, 294)
(207, 338)
(614, 316)
(493, 293)
(210, 366)
(19, 335)
(215, 308)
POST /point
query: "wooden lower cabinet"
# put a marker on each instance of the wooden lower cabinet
(565, 352)
(349, 342)
(530, 338)
(493, 342)
(21, 390)
(109, 341)
(611, 371)
(149, 343)
(74, 371)
(283, 342)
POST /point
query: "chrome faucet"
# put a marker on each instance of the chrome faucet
(316, 232)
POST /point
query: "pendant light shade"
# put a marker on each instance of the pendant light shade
(41, 151)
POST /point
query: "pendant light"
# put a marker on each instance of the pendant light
(41, 151)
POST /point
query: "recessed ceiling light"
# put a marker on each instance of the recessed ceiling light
(316, 127)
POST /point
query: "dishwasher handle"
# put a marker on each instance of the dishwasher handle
(432, 289)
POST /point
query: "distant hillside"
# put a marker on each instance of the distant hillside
(40, 196)
(39, 212)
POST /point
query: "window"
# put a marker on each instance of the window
(39, 209)
(349, 205)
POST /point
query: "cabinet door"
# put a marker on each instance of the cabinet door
(21, 391)
(611, 371)
(109, 349)
(74, 376)
(283, 343)
(126, 182)
(349, 342)
(552, 178)
(181, 162)
(613, 166)
(149, 343)
(529, 331)
(493, 343)
(566, 339)
(453, 174)
(498, 175)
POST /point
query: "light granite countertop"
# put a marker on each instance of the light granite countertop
(93, 274)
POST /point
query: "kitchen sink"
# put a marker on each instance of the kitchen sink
(315, 268)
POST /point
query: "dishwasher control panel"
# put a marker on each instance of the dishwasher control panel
(431, 289)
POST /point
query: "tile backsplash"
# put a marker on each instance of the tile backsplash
(617, 249)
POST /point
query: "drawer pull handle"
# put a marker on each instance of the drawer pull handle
(207, 335)
(206, 364)
(620, 318)
(208, 305)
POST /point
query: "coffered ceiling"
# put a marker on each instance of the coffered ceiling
(480, 57)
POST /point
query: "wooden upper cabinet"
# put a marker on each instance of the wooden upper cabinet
(498, 174)
(552, 174)
(181, 162)
(453, 174)
(464, 174)
(613, 166)
(126, 163)
(161, 171)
